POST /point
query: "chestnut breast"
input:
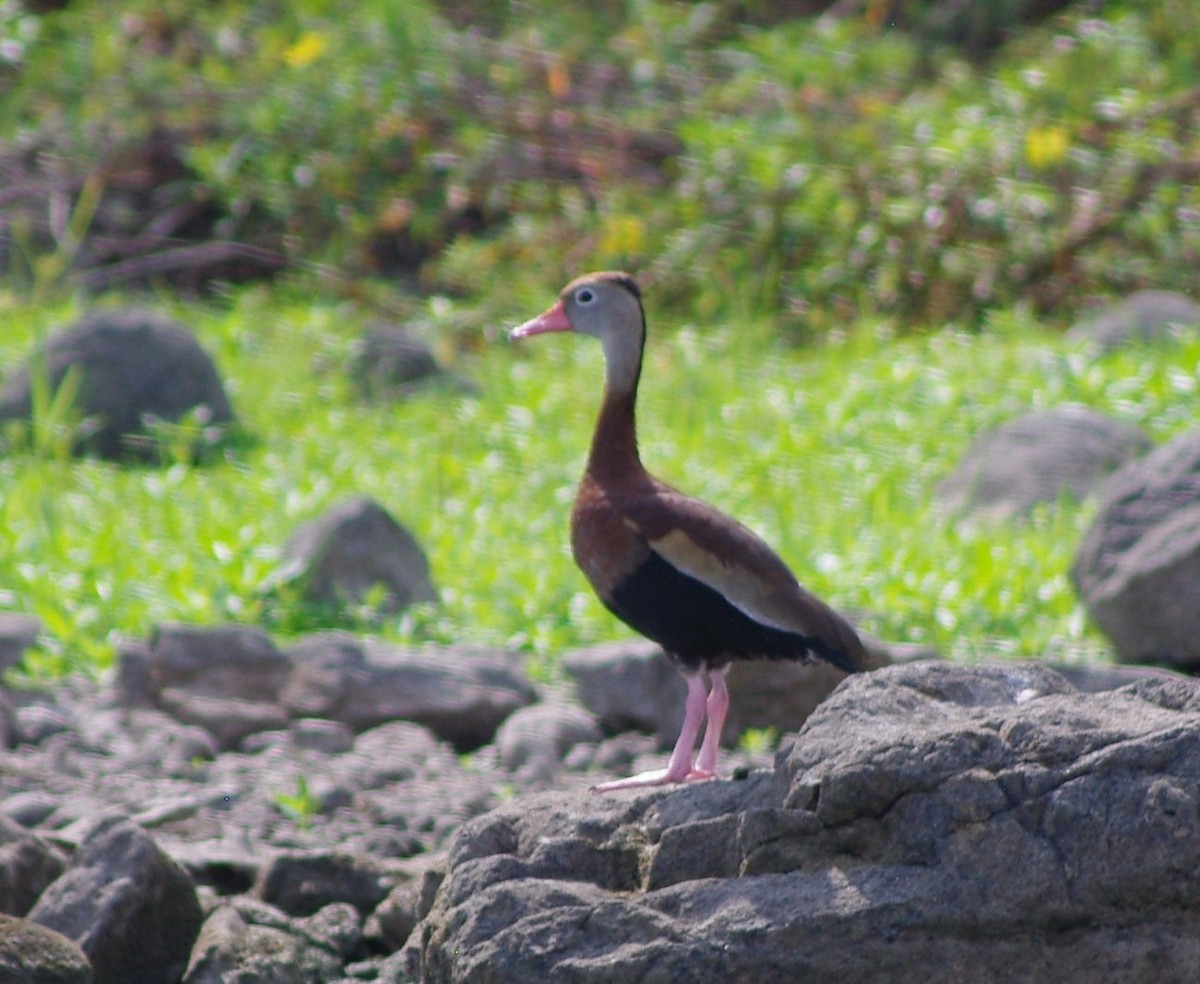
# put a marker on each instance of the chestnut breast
(606, 548)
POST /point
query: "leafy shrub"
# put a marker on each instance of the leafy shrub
(820, 168)
(1070, 171)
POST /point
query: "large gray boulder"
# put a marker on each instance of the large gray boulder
(1038, 458)
(1138, 568)
(931, 821)
(134, 367)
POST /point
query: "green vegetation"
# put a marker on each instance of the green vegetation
(831, 453)
(921, 220)
(824, 169)
(301, 806)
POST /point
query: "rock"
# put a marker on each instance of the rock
(396, 752)
(27, 865)
(535, 739)
(227, 719)
(133, 367)
(392, 970)
(1138, 568)
(345, 555)
(10, 728)
(131, 908)
(217, 661)
(330, 737)
(223, 678)
(1095, 678)
(303, 883)
(780, 696)
(1147, 315)
(460, 694)
(407, 904)
(227, 865)
(634, 686)
(28, 808)
(629, 686)
(37, 722)
(18, 633)
(253, 944)
(1039, 458)
(134, 683)
(32, 954)
(930, 820)
(337, 927)
(389, 362)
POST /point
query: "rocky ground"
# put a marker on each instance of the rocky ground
(292, 807)
(224, 810)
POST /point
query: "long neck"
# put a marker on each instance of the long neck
(614, 451)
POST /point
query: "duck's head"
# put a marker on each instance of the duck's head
(607, 306)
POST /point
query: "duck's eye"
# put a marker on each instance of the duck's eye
(585, 295)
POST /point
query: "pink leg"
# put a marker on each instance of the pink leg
(679, 765)
(718, 705)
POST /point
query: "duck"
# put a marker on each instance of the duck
(675, 569)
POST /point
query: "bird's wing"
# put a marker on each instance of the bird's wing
(704, 543)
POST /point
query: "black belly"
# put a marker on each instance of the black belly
(694, 623)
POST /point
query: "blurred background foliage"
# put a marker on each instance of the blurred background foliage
(920, 162)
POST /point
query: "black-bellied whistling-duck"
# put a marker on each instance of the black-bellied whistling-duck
(677, 570)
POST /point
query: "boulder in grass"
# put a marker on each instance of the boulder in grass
(389, 362)
(345, 555)
(1147, 315)
(1038, 458)
(136, 372)
(1138, 568)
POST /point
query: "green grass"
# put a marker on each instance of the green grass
(830, 453)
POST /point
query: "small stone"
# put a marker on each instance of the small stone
(33, 954)
(224, 661)
(541, 734)
(319, 735)
(37, 722)
(389, 362)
